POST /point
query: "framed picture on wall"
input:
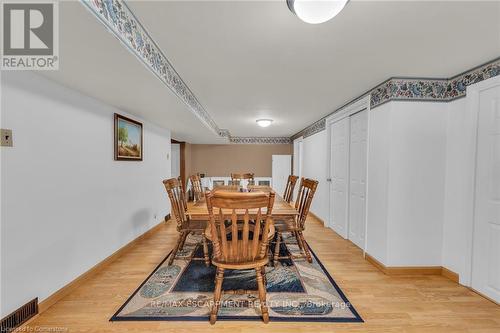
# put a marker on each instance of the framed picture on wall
(128, 139)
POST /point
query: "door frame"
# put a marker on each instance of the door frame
(347, 111)
(472, 106)
(345, 233)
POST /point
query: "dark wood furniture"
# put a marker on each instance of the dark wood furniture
(302, 204)
(185, 225)
(290, 186)
(247, 247)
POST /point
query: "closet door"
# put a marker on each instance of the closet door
(339, 172)
(357, 177)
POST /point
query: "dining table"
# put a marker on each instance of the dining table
(282, 210)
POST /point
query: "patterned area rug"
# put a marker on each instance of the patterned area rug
(296, 291)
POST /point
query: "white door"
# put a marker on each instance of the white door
(297, 162)
(357, 177)
(282, 165)
(176, 160)
(339, 174)
(486, 248)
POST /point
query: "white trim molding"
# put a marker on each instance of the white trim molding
(350, 109)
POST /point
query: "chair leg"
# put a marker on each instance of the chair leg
(262, 295)
(299, 243)
(277, 245)
(306, 247)
(205, 251)
(219, 277)
(264, 278)
(182, 238)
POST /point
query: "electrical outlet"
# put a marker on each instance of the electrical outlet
(6, 137)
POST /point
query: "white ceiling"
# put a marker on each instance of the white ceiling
(94, 62)
(250, 59)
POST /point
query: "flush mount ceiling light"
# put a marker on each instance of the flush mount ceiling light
(264, 122)
(316, 11)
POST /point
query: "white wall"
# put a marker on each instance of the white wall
(66, 204)
(315, 166)
(406, 176)
(297, 162)
(459, 189)
(416, 183)
(420, 183)
(379, 143)
(175, 159)
(406, 172)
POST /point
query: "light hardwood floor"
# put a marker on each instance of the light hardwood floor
(386, 303)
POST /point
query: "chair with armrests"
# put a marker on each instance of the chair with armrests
(185, 225)
(307, 189)
(236, 178)
(240, 232)
(290, 186)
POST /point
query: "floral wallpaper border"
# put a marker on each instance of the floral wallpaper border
(260, 140)
(432, 89)
(415, 89)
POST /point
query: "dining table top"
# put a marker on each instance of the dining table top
(281, 209)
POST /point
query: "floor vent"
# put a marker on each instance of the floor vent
(20, 316)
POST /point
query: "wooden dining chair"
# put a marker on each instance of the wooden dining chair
(304, 198)
(290, 186)
(185, 225)
(248, 244)
(196, 186)
(236, 178)
(183, 185)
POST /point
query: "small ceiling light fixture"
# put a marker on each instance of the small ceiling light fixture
(316, 11)
(264, 122)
